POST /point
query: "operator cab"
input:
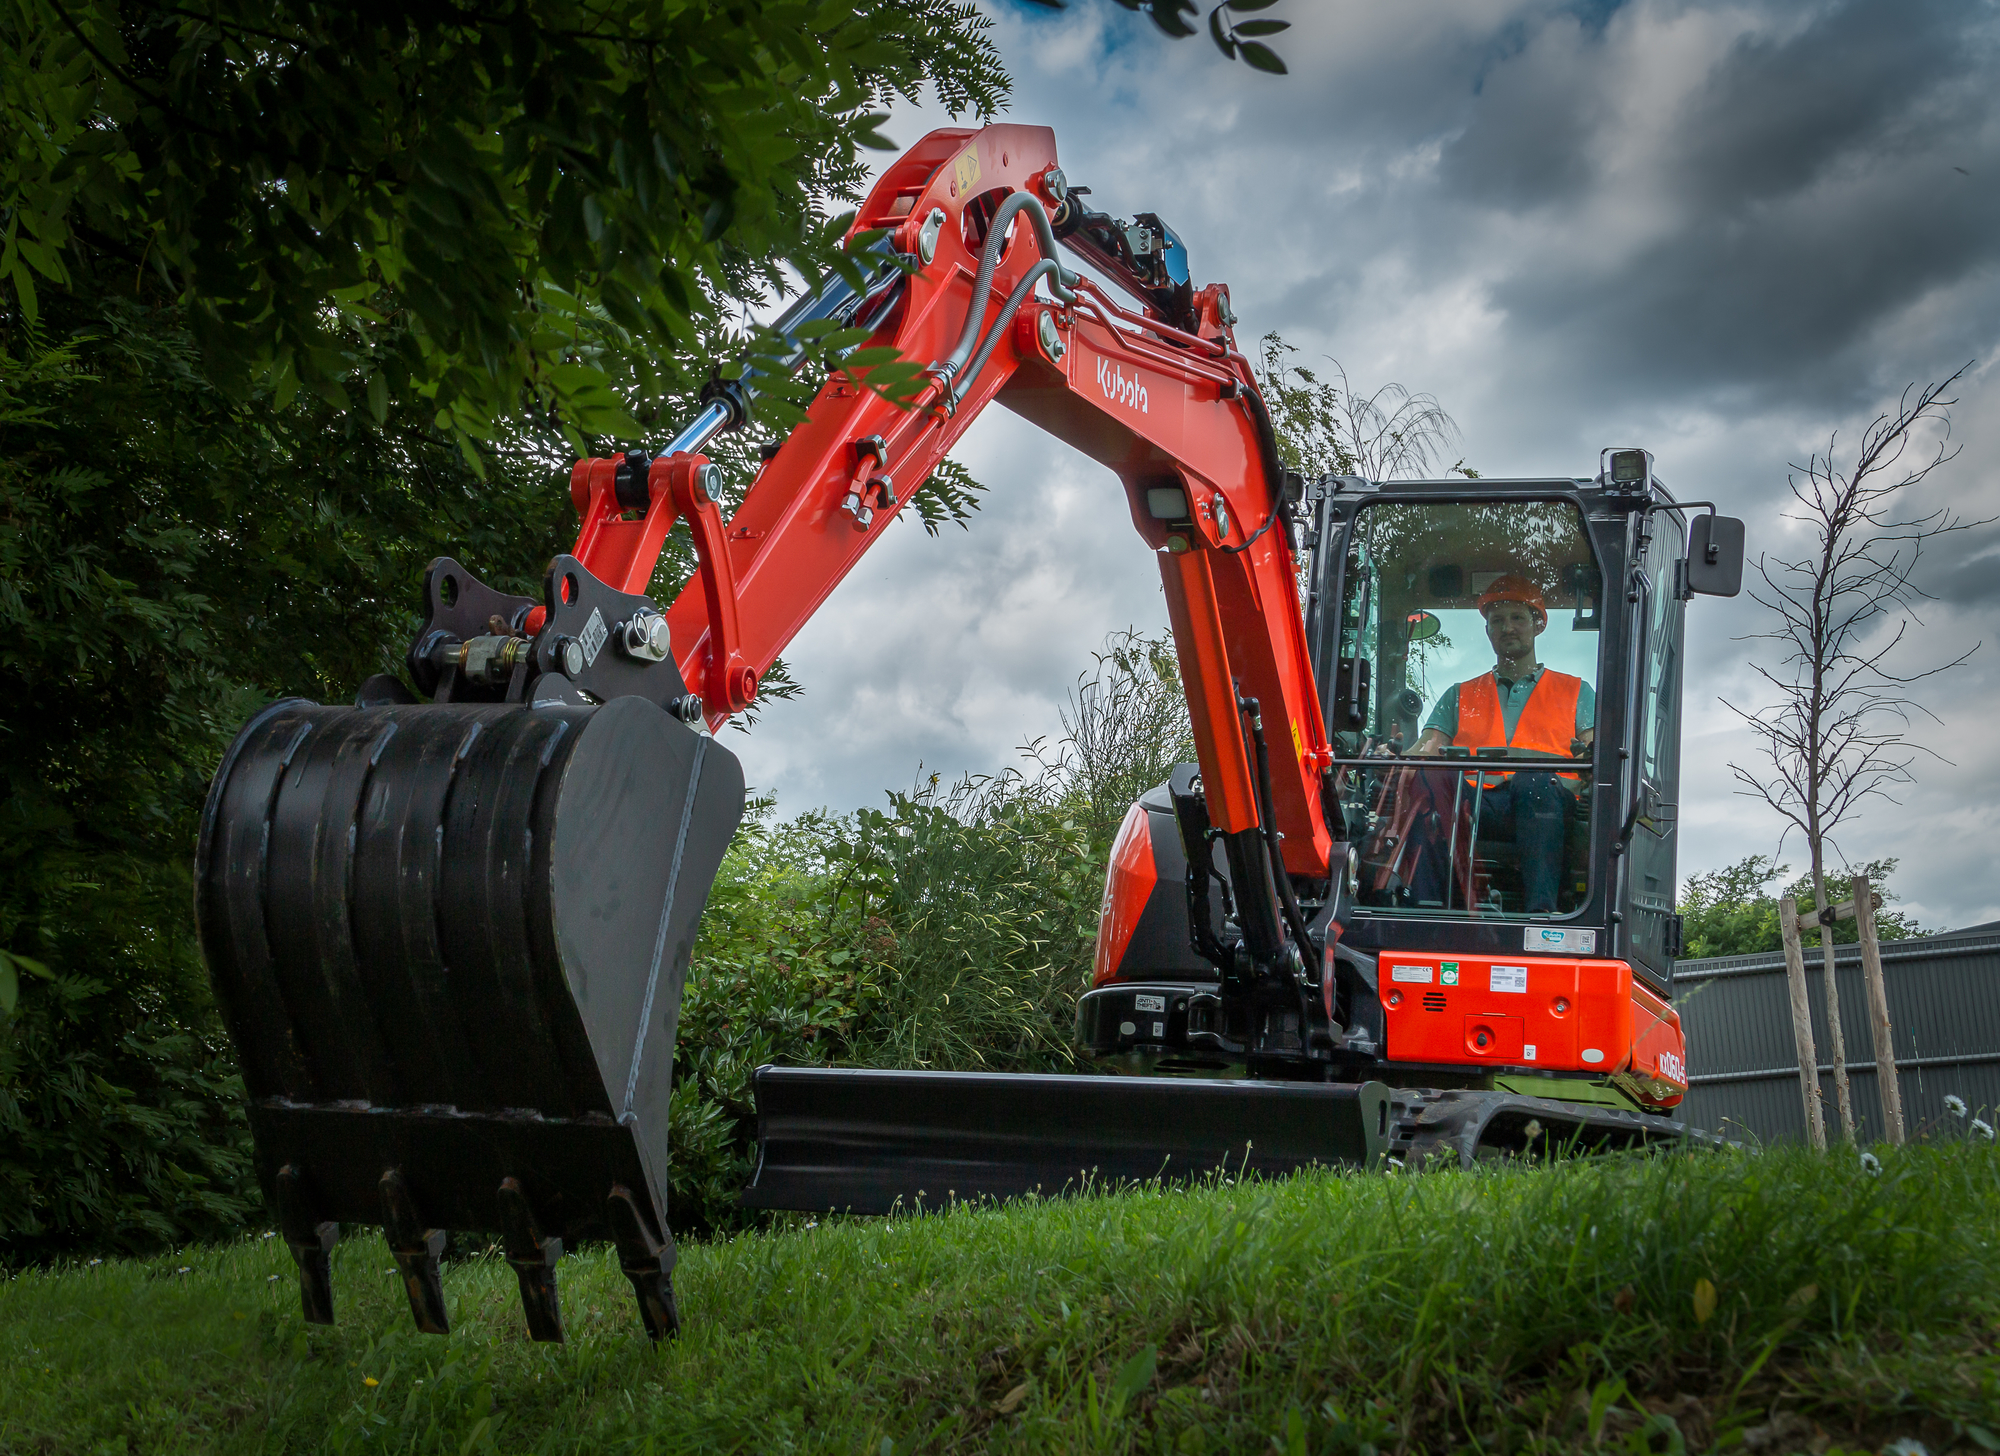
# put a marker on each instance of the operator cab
(1477, 625)
(1501, 670)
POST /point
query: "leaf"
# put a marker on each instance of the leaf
(24, 287)
(1262, 27)
(10, 981)
(865, 132)
(1602, 1398)
(1704, 1301)
(1011, 1401)
(1804, 1295)
(1263, 58)
(1215, 32)
(378, 396)
(1134, 1376)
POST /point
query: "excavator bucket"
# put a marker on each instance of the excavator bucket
(449, 942)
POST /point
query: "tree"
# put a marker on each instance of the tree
(1325, 428)
(1730, 911)
(1837, 733)
(176, 547)
(533, 205)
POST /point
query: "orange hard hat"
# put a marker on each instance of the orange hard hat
(1514, 588)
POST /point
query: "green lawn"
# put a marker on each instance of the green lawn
(1775, 1302)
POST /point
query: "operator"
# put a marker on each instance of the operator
(1526, 707)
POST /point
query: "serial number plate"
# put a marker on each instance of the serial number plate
(1548, 938)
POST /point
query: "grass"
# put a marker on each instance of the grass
(1778, 1302)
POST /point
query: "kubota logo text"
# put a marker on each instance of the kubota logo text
(1672, 1068)
(1116, 386)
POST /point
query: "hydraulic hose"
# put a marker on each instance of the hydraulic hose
(1000, 325)
(1287, 900)
(1063, 285)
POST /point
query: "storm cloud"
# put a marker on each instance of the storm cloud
(1731, 233)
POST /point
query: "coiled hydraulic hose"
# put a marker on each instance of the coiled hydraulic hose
(1062, 285)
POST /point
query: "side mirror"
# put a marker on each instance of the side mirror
(1715, 556)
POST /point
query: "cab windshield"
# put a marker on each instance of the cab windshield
(1464, 706)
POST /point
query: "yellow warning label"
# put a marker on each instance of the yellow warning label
(1297, 747)
(965, 171)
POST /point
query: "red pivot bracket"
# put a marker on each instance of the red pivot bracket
(730, 683)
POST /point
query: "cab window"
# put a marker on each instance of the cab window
(1475, 629)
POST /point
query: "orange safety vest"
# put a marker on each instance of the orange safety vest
(1547, 723)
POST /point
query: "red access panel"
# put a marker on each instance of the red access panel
(1531, 1013)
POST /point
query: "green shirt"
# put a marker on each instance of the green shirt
(1513, 697)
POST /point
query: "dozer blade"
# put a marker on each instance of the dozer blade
(856, 1141)
(449, 942)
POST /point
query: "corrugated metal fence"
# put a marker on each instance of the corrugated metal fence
(1944, 1008)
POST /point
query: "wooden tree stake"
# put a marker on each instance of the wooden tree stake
(1878, 1012)
(1836, 1034)
(1795, 976)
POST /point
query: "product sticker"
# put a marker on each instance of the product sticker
(1149, 1003)
(1509, 978)
(592, 636)
(1420, 974)
(1527, 1053)
(1448, 974)
(1548, 938)
(1159, 1028)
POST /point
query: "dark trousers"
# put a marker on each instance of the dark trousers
(1532, 809)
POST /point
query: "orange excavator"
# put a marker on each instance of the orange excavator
(1389, 913)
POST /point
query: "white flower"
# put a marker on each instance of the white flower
(1955, 1106)
(1906, 1446)
(1983, 1128)
(1870, 1163)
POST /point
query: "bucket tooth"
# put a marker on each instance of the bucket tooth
(416, 1250)
(534, 1260)
(647, 1261)
(311, 1242)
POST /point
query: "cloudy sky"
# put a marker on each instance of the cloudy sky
(1723, 231)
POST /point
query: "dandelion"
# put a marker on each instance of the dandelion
(1984, 1128)
(369, 1380)
(1870, 1163)
(1955, 1106)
